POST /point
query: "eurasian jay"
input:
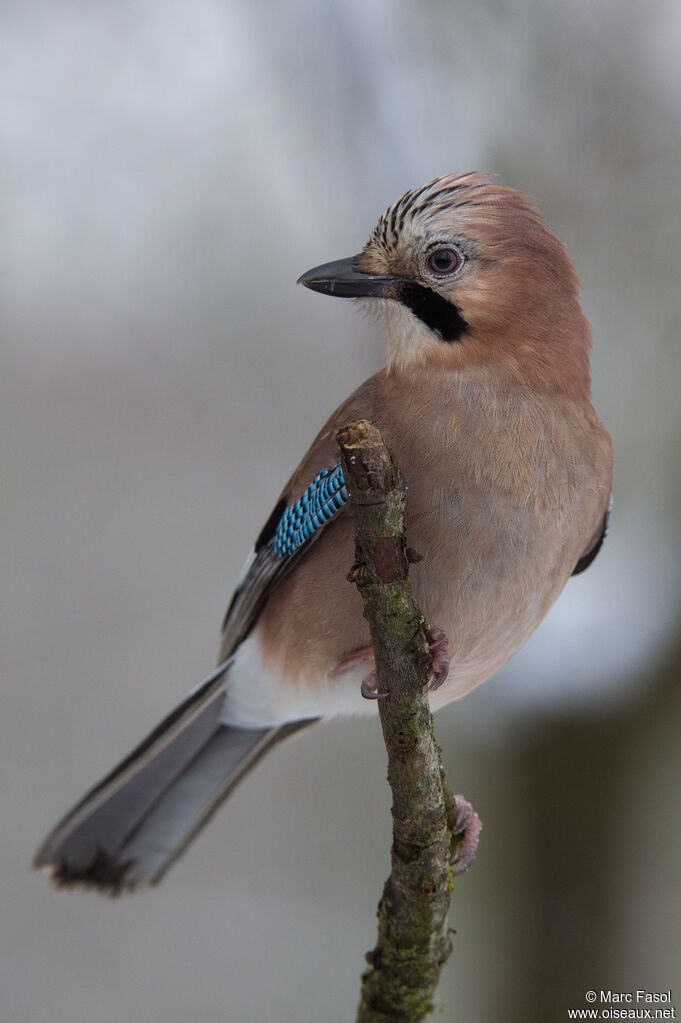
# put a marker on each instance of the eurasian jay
(485, 404)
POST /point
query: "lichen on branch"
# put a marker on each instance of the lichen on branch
(430, 827)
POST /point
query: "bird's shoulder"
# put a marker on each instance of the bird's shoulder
(313, 495)
(323, 451)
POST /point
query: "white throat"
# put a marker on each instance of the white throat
(410, 341)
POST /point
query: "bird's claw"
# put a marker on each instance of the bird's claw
(439, 656)
(369, 687)
(465, 834)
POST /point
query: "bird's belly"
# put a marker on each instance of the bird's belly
(485, 635)
(261, 694)
(489, 585)
(486, 584)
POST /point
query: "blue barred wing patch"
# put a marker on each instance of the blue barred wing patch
(325, 496)
(282, 539)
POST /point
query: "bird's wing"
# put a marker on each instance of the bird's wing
(594, 547)
(287, 535)
(313, 496)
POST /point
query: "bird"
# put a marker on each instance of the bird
(485, 402)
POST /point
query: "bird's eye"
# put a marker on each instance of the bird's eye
(443, 262)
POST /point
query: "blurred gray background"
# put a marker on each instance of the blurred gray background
(167, 171)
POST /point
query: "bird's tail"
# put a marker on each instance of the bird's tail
(128, 830)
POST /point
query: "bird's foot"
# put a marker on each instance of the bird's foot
(437, 669)
(439, 656)
(466, 827)
(369, 687)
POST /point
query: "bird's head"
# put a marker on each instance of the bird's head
(462, 270)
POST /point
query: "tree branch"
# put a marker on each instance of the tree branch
(434, 833)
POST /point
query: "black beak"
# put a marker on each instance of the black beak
(340, 278)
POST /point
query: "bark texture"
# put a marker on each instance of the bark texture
(429, 825)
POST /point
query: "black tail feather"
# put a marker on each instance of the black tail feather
(128, 830)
